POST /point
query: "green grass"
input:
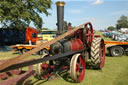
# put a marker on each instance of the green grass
(114, 73)
(9, 54)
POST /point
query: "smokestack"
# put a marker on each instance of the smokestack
(60, 16)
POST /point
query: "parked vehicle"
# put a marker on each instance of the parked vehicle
(13, 36)
(116, 48)
(23, 48)
(117, 36)
(107, 34)
(111, 35)
(104, 34)
(122, 37)
(48, 35)
(123, 30)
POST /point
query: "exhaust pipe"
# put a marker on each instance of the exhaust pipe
(60, 16)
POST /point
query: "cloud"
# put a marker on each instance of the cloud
(98, 2)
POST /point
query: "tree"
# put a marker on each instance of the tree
(20, 13)
(122, 22)
(111, 28)
(45, 29)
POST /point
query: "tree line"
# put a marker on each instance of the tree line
(121, 23)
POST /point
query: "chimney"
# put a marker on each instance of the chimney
(60, 16)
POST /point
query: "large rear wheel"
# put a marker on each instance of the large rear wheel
(98, 53)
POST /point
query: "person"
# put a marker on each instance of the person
(65, 26)
(69, 26)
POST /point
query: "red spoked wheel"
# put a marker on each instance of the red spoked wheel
(77, 68)
(44, 70)
(88, 34)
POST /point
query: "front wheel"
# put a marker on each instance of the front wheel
(77, 68)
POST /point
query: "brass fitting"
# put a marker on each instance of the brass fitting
(60, 3)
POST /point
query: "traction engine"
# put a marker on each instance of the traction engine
(73, 51)
(69, 52)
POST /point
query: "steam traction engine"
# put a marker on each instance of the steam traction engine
(73, 50)
(68, 51)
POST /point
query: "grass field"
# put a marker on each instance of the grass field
(115, 72)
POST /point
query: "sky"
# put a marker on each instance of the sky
(101, 13)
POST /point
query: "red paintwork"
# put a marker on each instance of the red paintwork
(102, 54)
(80, 72)
(69, 29)
(46, 68)
(29, 31)
(47, 72)
(80, 32)
(89, 34)
(76, 44)
(107, 30)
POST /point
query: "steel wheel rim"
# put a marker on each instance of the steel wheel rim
(102, 54)
(77, 68)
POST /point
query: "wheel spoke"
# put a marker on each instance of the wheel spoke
(87, 39)
(77, 67)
